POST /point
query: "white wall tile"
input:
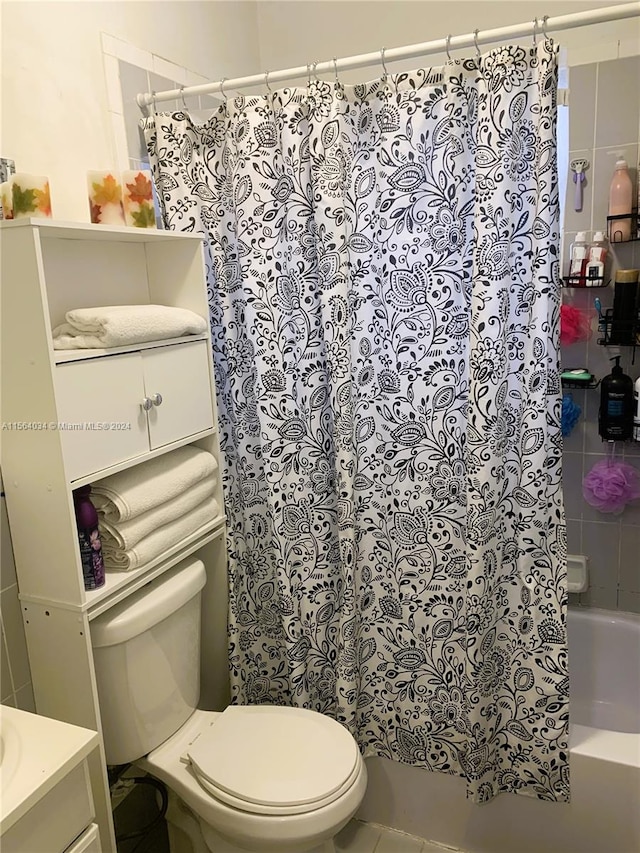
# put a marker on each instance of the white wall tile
(14, 636)
(6, 682)
(126, 51)
(7, 564)
(170, 70)
(25, 700)
(112, 79)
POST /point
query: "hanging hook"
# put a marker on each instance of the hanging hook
(224, 94)
(335, 69)
(184, 103)
(314, 72)
(154, 108)
(309, 74)
(535, 32)
(386, 73)
(475, 41)
(266, 82)
(544, 26)
(446, 47)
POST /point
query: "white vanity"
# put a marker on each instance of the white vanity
(46, 804)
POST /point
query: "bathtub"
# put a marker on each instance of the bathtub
(604, 813)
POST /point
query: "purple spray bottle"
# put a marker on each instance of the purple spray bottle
(89, 539)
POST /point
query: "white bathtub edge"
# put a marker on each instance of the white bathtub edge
(618, 747)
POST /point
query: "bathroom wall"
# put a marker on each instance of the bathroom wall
(604, 125)
(295, 33)
(15, 677)
(57, 119)
(55, 109)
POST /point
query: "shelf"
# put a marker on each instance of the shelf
(62, 356)
(574, 281)
(119, 585)
(87, 231)
(635, 224)
(136, 460)
(572, 385)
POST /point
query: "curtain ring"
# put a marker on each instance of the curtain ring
(386, 73)
(154, 108)
(224, 94)
(544, 26)
(266, 82)
(535, 32)
(314, 72)
(309, 74)
(475, 41)
(335, 69)
(184, 103)
(446, 47)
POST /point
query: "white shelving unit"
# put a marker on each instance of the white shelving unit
(47, 269)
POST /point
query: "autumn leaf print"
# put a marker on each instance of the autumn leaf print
(95, 211)
(108, 192)
(140, 190)
(43, 200)
(23, 200)
(145, 217)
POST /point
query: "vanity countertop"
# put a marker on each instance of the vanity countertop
(35, 754)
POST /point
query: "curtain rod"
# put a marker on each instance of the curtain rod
(562, 22)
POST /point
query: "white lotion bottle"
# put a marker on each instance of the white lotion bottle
(578, 264)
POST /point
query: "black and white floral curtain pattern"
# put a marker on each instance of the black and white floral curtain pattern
(383, 273)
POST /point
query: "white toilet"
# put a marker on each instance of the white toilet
(253, 777)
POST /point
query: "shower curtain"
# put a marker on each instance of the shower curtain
(383, 281)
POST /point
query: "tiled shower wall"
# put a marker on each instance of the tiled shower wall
(15, 676)
(604, 112)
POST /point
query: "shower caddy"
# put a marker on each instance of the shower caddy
(49, 268)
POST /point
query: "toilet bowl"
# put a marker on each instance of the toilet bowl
(253, 777)
(251, 809)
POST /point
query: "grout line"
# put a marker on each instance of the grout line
(593, 147)
(9, 666)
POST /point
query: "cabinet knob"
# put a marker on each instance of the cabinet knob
(156, 399)
(146, 403)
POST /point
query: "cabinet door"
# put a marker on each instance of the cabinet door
(100, 415)
(88, 842)
(180, 374)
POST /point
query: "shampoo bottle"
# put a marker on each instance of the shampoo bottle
(620, 198)
(89, 539)
(615, 420)
(636, 417)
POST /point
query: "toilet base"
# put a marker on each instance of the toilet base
(185, 834)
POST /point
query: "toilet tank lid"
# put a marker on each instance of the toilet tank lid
(149, 605)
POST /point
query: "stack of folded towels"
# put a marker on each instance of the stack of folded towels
(146, 510)
(123, 325)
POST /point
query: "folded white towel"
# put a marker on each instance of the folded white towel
(156, 543)
(122, 325)
(129, 493)
(127, 533)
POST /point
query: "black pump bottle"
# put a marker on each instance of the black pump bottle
(615, 420)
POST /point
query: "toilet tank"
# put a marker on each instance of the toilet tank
(147, 661)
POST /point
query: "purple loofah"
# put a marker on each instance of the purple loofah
(609, 486)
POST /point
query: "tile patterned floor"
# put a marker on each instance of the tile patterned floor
(358, 837)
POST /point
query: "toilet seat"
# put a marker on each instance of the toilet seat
(274, 760)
